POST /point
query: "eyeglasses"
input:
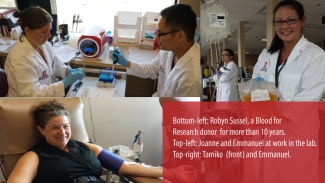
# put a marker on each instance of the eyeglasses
(289, 21)
(225, 55)
(159, 34)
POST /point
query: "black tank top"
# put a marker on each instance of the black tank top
(58, 166)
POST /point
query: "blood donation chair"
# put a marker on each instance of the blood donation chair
(18, 132)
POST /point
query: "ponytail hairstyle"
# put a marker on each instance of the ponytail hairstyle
(33, 17)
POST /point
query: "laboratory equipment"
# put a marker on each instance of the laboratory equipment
(76, 88)
(112, 48)
(127, 152)
(214, 22)
(106, 80)
(127, 26)
(148, 28)
(214, 25)
(103, 76)
(114, 62)
(91, 43)
(137, 144)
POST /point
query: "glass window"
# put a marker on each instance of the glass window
(7, 4)
(101, 12)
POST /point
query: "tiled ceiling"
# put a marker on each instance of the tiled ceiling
(253, 14)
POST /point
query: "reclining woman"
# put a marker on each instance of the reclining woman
(57, 158)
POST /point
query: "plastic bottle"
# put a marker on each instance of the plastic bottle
(109, 37)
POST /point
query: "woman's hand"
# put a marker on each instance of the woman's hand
(184, 173)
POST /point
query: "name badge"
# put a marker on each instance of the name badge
(161, 69)
(264, 67)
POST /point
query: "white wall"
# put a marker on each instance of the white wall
(116, 121)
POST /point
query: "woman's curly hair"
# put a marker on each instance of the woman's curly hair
(45, 110)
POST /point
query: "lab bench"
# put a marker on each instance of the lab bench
(90, 83)
(134, 86)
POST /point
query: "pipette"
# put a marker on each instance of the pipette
(115, 63)
(76, 88)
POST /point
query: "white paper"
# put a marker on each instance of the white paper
(8, 44)
(260, 95)
(65, 53)
(85, 91)
(107, 92)
(16, 32)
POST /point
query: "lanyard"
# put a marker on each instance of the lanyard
(277, 71)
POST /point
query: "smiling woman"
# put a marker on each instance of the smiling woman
(296, 67)
(294, 64)
(70, 160)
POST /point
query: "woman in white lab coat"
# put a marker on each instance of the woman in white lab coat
(228, 78)
(297, 67)
(177, 65)
(294, 64)
(31, 64)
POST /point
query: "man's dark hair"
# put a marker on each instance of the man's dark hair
(180, 17)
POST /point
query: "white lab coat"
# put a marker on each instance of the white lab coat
(182, 81)
(227, 83)
(303, 76)
(29, 75)
(301, 79)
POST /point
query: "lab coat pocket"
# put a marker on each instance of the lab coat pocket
(289, 85)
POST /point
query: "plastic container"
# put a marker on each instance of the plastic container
(106, 81)
(120, 150)
(127, 20)
(150, 21)
(109, 37)
(126, 35)
(148, 35)
(146, 45)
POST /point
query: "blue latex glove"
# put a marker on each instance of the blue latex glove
(76, 70)
(71, 78)
(118, 57)
(258, 79)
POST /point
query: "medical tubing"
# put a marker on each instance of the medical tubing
(110, 161)
(217, 56)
